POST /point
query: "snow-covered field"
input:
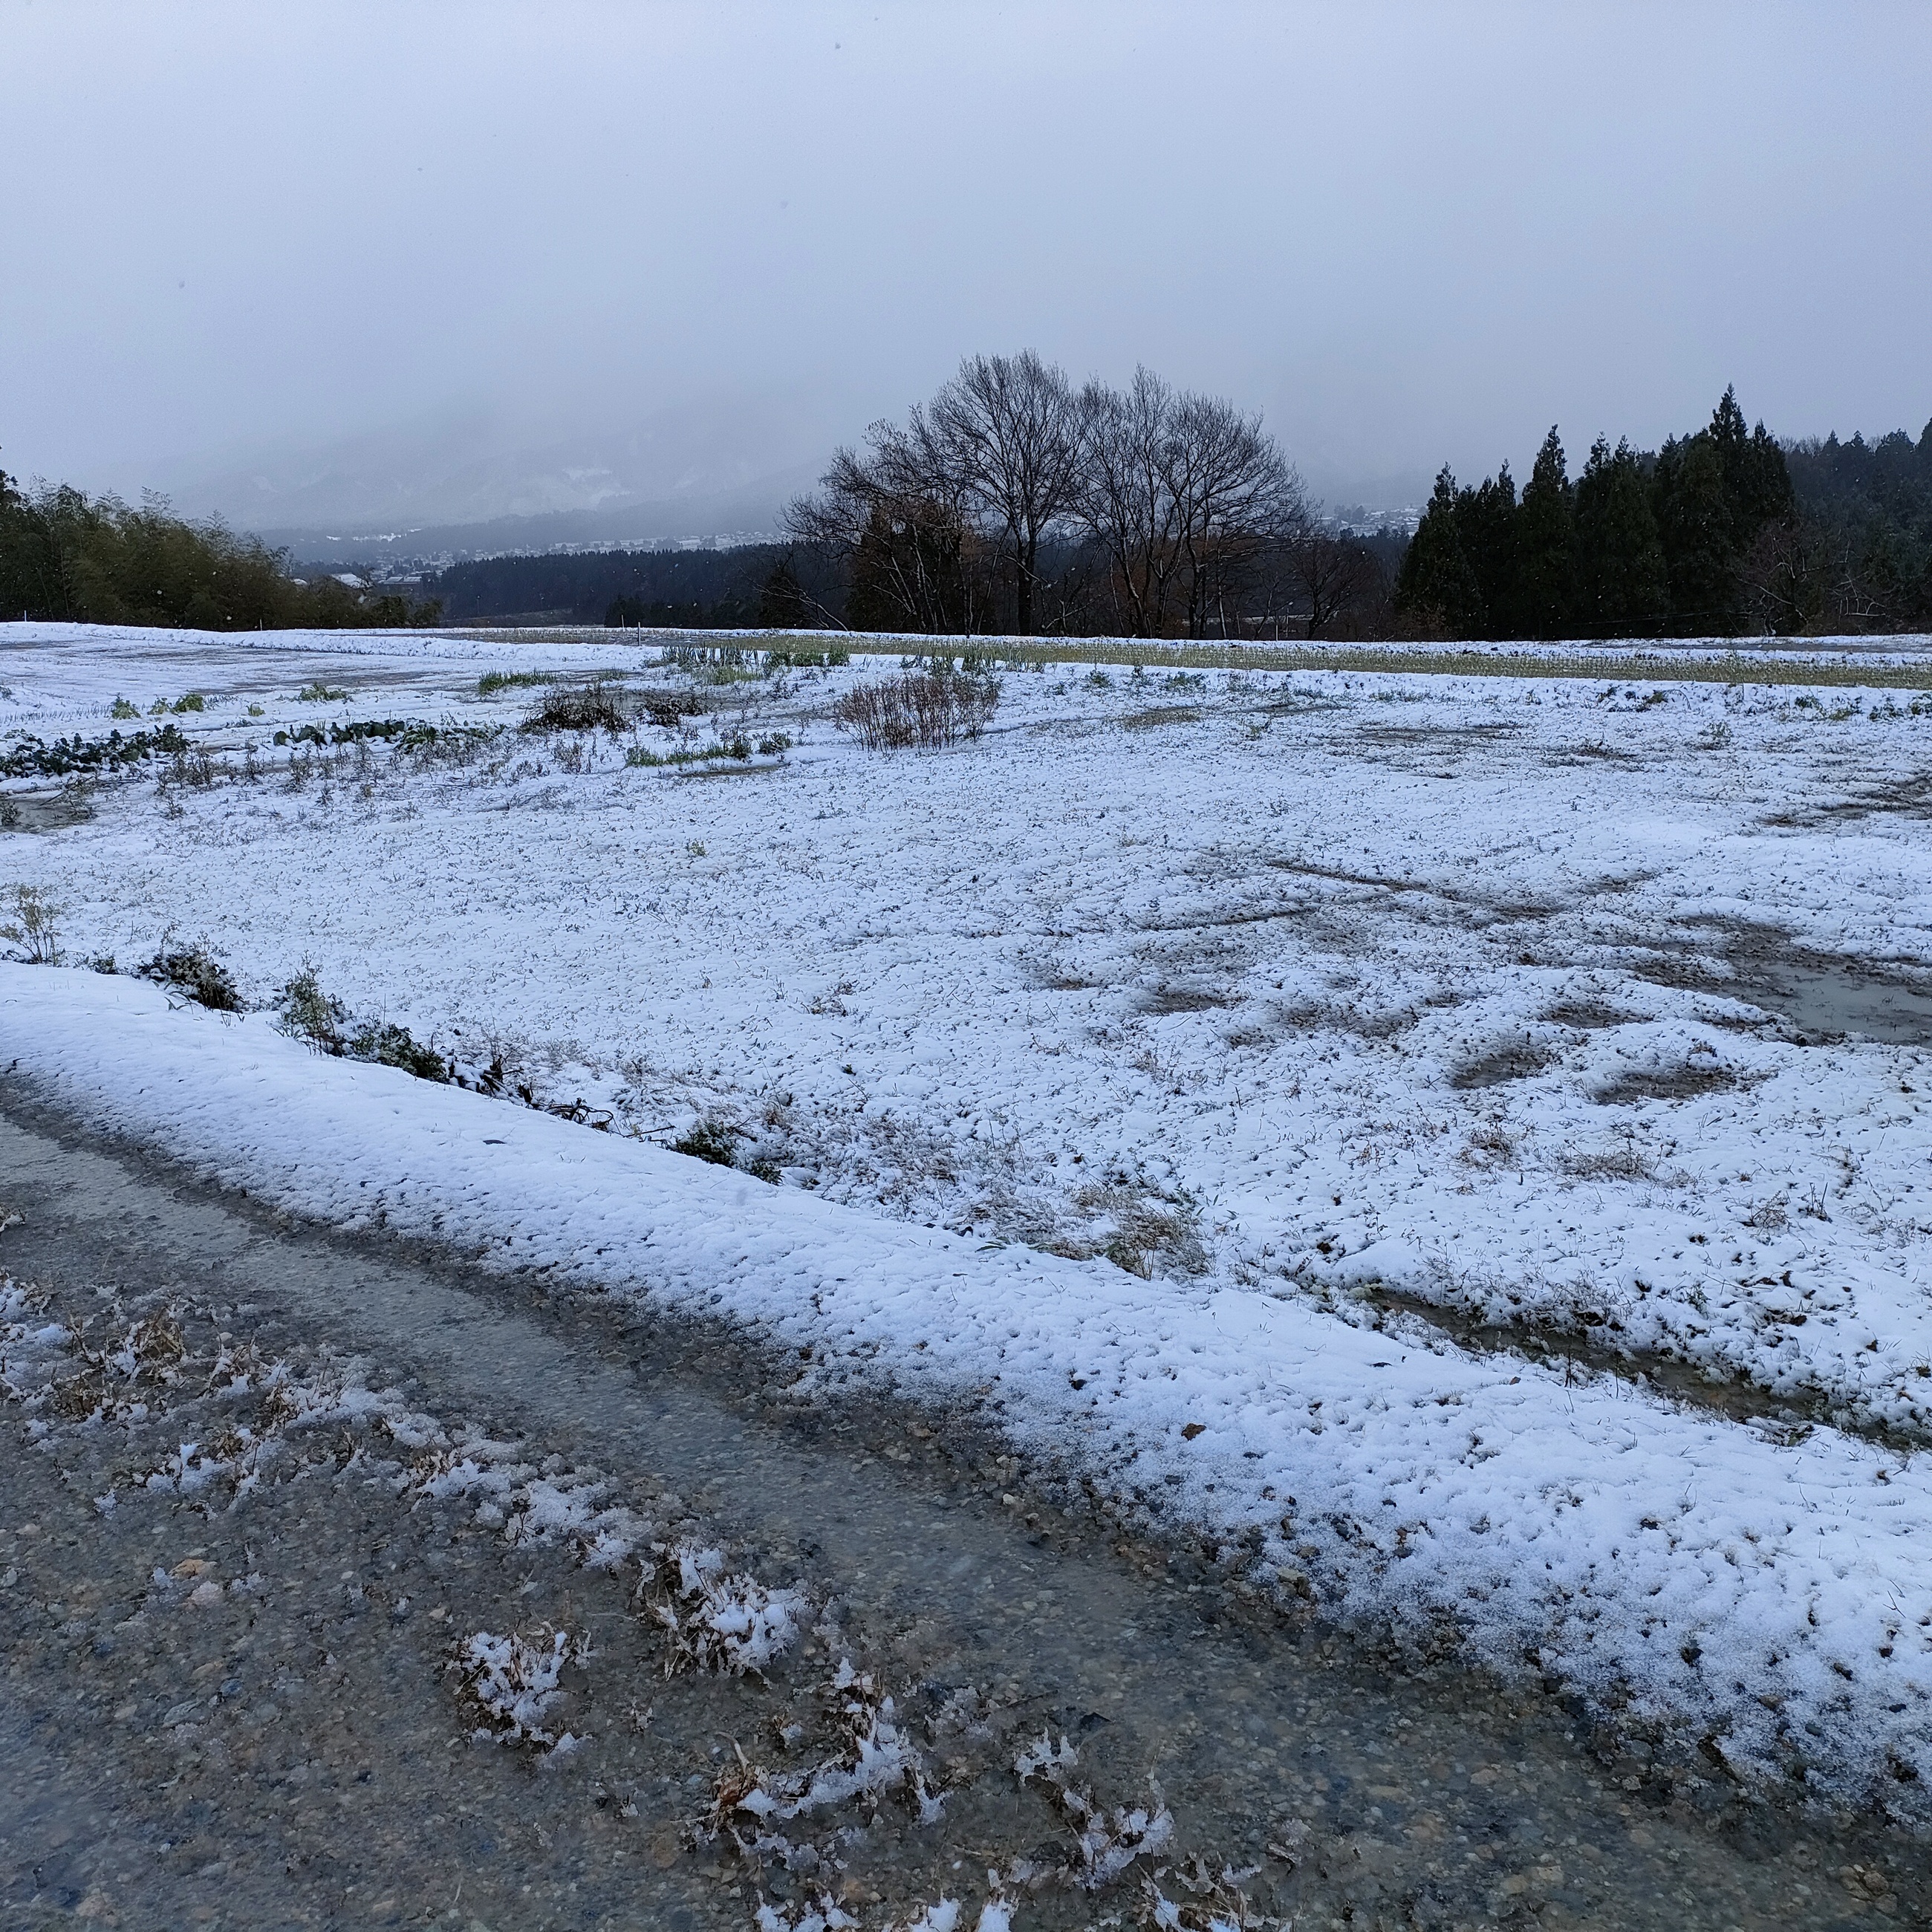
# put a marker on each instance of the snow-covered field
(1462, 1143)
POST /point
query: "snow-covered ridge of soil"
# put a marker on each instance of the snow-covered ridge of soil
(1773, 1594)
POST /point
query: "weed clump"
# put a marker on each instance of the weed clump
(195, 971)
(922, 710)
(492, 682)
(669, 708)
(123, 708)
(586, 707)
(796, 658)
(317, 693)
(32, 927)
(714, 664)
(738, 747)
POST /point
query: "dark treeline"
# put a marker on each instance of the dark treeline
(66, 556)
(697, 589)
(1722, 532)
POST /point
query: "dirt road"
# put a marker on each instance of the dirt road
(265, 1488)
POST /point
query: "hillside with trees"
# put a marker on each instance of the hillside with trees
(1014, 502)
(68, 557)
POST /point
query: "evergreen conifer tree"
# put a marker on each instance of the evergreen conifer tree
(782, 603)
(1546, 545)
(1436, 582)
(1486, 523)
(1714, 494)
(1620, 575)
(1698, 533)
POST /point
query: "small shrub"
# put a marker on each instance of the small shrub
(922, 709)
(587, 707)
(192, 700)
(709, 1140)
(317, 693)
(307, 1013)
(774, 744)
(122, 709)
(195, 971)
(385, 1045)
(32, 927)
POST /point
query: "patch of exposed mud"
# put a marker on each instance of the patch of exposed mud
(1158, 715)
(1518, 1060)
(1159, 1000)
(1589, 1015)
(1435, 735)
(1665, 1083)
(70, 804)
(1817, 997)
(1909, 798)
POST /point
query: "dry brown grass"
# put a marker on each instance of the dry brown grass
(922, 710)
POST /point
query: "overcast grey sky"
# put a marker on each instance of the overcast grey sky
(239, 239)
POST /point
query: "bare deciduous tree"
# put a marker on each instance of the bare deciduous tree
(1333, 572)
(1005, 433)
(1181, 497)
(897, 521)
(1183, 493)
(1125, 502)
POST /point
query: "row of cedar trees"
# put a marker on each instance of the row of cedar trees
(1634, 548)
(65, 556)
(1707, 537)
(1016, 502)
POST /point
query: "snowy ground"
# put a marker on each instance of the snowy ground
(1242, 1042)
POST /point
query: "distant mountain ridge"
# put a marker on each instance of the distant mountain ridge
(467, 484)
(748, 516)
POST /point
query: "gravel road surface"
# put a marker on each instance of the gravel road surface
(264, 1488)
